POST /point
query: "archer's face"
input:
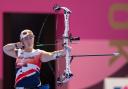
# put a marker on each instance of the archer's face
(28, 41)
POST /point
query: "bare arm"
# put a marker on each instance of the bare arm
(10, 50)
(48, 56)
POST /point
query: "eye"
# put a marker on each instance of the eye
(31, 37)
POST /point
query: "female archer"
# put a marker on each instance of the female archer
(28, 60)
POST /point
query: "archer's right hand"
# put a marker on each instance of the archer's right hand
(19, 45)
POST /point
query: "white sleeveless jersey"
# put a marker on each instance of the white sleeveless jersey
(27, 63)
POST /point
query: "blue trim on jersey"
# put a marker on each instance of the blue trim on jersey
(30, 82)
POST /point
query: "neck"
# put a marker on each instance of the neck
(28, 49)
